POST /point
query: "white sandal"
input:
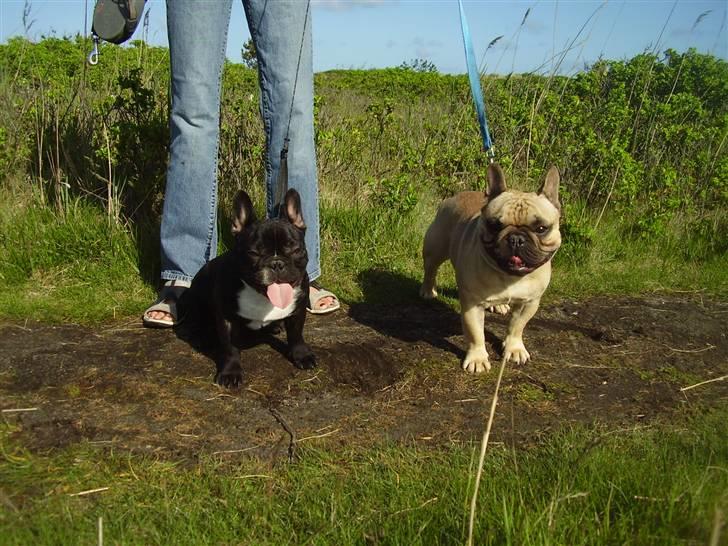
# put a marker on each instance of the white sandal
(169, 294)
(320, 294)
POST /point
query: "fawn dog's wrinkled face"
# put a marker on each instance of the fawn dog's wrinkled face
(520, 231)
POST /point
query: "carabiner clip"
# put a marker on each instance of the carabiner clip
(93, 57)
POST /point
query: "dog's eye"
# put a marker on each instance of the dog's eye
(291, 249)
(253, 254)
(494, 225)
(541, 229)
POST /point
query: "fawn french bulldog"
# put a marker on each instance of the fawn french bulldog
(500, 244)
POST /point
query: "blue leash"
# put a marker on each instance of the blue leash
(475, 88)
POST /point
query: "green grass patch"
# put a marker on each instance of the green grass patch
(75, 265)
(658, 485)
(372, 253)
(639, 271)
(641, 213)
(68, 264)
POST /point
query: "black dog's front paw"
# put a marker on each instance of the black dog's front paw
(229, 377)
(302, 357)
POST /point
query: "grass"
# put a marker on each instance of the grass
(66, 266)
(640, 271)
(390, 144)
(618, 262)
(77, 266)
(652, 485)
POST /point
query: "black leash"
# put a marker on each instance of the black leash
(282, 182)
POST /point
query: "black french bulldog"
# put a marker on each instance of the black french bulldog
(257, 285)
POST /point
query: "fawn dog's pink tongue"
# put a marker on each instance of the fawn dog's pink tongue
(280, 295)
(515, 261)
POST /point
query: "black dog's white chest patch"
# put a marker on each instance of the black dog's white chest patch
(258, 309)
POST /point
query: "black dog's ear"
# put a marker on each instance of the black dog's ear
(496, 181)
(550, 186)
(292, 204)
(243, 213)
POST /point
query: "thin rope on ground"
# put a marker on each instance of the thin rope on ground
(483, 447)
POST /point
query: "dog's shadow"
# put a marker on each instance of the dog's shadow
(199, 332)
(393, 307)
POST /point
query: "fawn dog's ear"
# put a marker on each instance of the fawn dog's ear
(496, 181)
(550, 187)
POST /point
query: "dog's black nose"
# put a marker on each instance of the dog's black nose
(516, 240)
(277, 265)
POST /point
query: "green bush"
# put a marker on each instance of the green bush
(638, 141)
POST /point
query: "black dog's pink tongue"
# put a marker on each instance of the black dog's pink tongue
(280, 295)
(515, 261)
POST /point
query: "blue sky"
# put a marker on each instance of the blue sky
(381, 33)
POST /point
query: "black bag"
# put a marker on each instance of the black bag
(116, 20)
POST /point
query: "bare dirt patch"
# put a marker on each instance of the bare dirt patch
(386, 373)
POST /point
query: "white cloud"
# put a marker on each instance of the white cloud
(425, 49)
(418, 41)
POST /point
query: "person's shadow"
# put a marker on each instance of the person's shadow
(392, 306)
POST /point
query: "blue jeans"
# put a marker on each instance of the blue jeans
(197, 42)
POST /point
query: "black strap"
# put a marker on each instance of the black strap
(282, 183)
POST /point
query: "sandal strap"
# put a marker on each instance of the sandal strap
(172, 290)
(317, 285)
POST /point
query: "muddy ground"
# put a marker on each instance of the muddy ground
(386, 373)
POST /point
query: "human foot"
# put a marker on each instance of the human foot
(163, 313)
(321, 301)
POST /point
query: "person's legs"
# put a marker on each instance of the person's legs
(197, 43)
(277, 28)
(281, 32)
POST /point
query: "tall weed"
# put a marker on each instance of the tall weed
(641, 144)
